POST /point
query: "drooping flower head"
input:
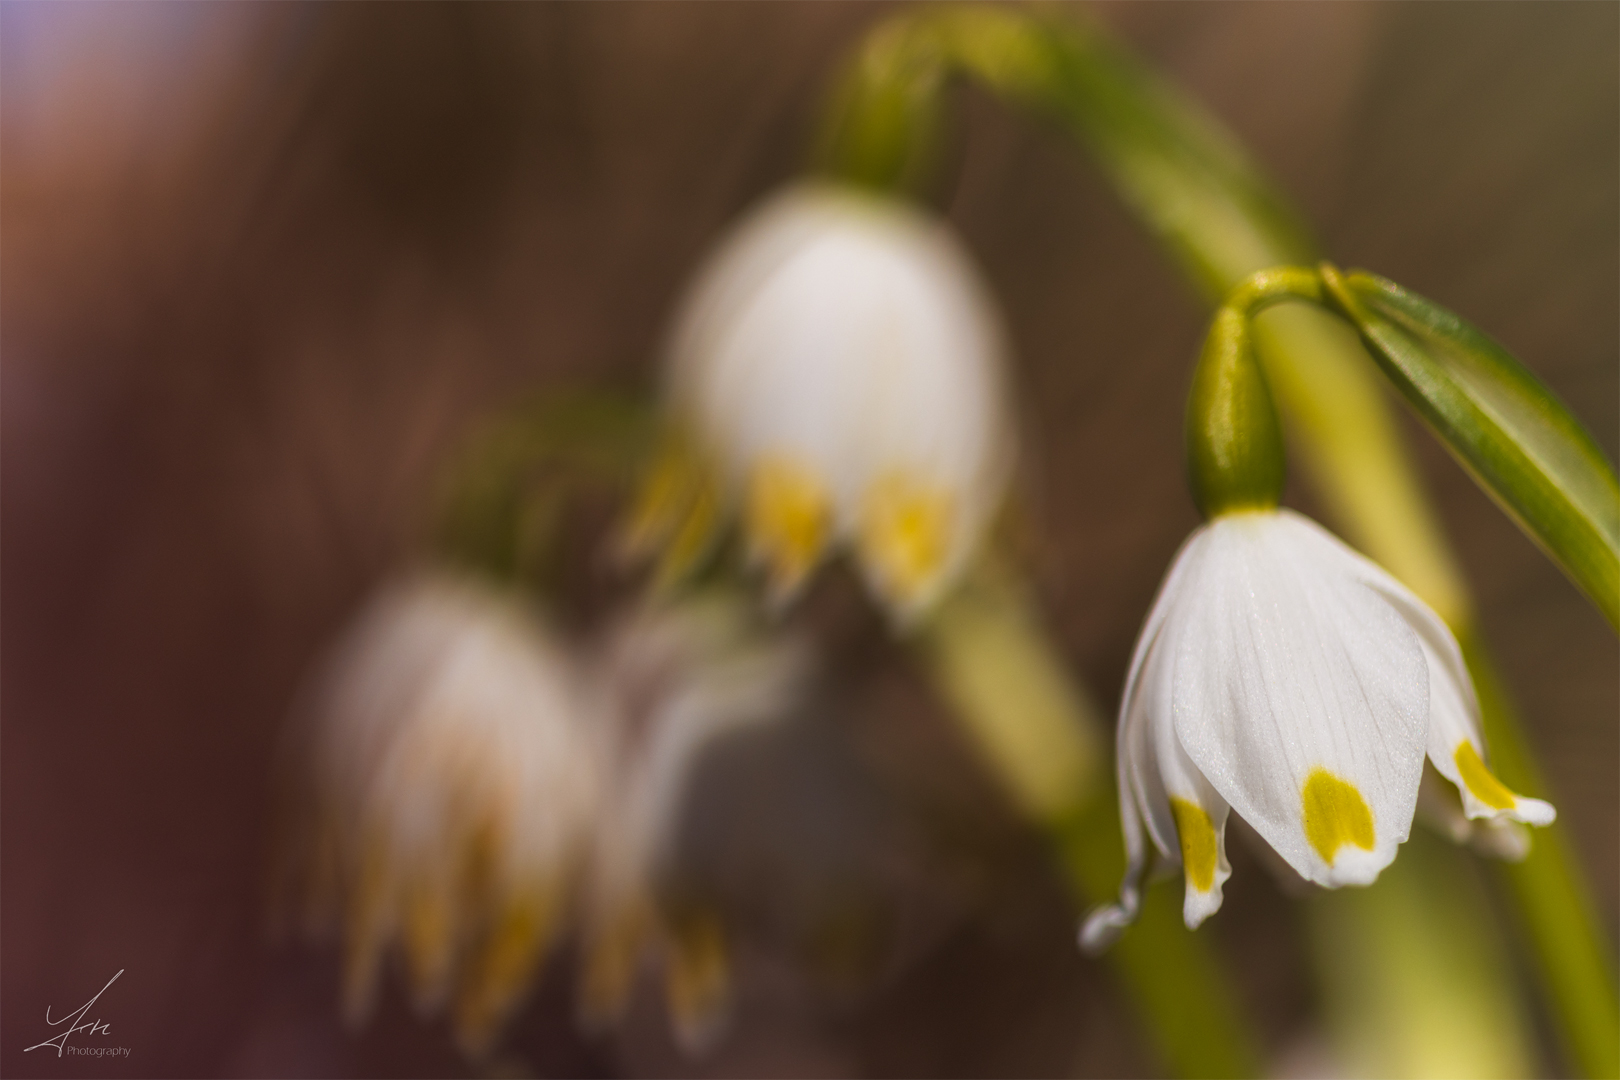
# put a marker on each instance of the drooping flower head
(1282, 676)
(451, 788)
(671, 678)
(472, 788)
(836, 376)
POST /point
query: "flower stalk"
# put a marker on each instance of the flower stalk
(1235, 457)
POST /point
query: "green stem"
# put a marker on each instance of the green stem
(1572, 958)
(1041, 734)
(1193, 188)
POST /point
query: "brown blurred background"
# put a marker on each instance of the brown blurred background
(263, 266)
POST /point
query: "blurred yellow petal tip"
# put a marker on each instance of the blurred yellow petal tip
(612, 959)
(788, 518)
(1480, 780)
(698, 984)
(429, 944)
(676, 512)
(1335, 815)
(364, 937)
(501, 970)
(905, 536)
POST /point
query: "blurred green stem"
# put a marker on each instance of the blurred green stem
(1194, 189)
(1559, 916)
(1416, 989)
(1042, 735)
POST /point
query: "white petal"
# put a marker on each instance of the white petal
(1104, 925)
(1144, 804)
(1301, 695)
(1190, 815)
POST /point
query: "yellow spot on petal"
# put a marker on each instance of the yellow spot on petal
(905, 534)
(1335, 814)
(429, 934)
(503, 964)
(1199, 849)
(677, 511)
(787, 518)
(1485, 786)
(697, 979)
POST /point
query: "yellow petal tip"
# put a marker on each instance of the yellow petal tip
(1335, 815)
(1481, 782)
(787, 517)
(1199, 847)
(905, 535)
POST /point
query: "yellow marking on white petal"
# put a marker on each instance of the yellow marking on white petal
(905, 534)
(1335, 814)
(1480, 780)
(697, 980)
(502, 966)
(1199, 846)
(612, 956)
(787, 518)
(677, 511)
(429, 934)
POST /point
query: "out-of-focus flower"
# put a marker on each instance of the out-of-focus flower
(454, 790)
(1284, 676)
(671, 678)
(474, 789)
(835, 376)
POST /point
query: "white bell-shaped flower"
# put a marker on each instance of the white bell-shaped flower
(453, 790)
(837, 367)
(469, 789)
(1285, 677)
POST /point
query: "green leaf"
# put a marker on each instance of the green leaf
(1508, 430)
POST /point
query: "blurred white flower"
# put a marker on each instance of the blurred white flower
(1283, 676)
(454, 790)
(836, 374)
(474, 789)
(672, 678)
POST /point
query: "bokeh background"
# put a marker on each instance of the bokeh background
(261, 267)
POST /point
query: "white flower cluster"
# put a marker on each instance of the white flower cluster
(836, 371)
(836, 380)
(472, 788)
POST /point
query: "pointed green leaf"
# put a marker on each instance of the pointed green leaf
(1508, 430)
